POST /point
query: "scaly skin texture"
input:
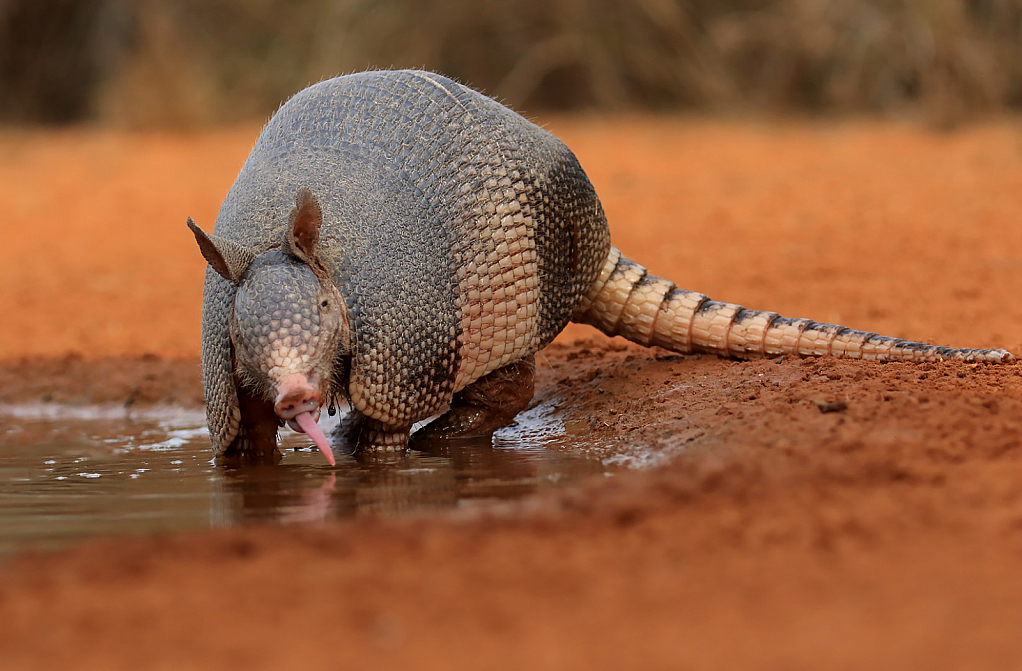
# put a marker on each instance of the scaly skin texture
(404, 243)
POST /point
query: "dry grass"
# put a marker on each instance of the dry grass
(186, 62)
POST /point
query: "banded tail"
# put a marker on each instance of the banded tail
(625, 300)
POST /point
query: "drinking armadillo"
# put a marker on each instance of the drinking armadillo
(402, 243)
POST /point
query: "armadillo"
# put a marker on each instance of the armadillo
(403, 244)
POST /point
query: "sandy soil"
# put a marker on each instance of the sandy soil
(817, 514)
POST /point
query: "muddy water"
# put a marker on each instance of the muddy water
(69, 473)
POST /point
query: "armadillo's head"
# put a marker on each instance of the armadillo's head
(288, 327)
(285, 329)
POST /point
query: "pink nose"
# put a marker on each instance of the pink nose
(294, 397)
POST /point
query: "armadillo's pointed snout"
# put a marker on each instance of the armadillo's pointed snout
(295, 396)
(298, 403)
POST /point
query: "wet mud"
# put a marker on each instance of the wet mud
(767, 514)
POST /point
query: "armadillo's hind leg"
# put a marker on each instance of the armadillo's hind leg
(485, 405)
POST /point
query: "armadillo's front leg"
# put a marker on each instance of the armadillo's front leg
(256, 439)
(485, 405)
(344, 437)
(356, 433)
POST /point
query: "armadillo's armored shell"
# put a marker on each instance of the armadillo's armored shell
(461, 236)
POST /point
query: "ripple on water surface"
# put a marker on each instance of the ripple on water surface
(68, 473)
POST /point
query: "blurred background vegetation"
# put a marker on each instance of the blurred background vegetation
(175, 63)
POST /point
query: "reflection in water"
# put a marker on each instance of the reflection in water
(102, 472)
(420, 481)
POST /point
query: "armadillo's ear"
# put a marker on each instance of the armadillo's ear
(303, 227)
(226, 257)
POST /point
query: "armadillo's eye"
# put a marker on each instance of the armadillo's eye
(324, 304)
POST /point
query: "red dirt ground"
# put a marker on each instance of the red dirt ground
(887, 535)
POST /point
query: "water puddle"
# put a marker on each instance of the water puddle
(68, 473)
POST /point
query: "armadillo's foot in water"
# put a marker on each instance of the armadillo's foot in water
(379, 439)
(363, 436)
(485, 405)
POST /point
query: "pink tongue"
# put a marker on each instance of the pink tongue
(313, 431)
